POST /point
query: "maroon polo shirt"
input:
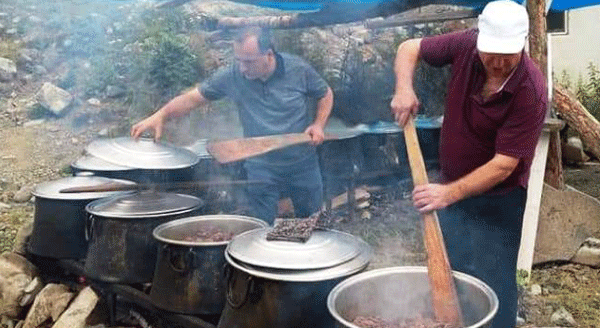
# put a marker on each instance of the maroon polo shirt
(474, 130)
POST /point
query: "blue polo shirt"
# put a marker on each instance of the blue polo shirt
(276, 106)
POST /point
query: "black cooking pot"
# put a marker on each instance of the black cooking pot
(279, 284)
(189, 276)
(60, 218)
(121, 247)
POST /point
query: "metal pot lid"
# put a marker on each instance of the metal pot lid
(51, 189)
(88, 162)
(142, 154)
(324, 249)
(144, 204)
(345, 269)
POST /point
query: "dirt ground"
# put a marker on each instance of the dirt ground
(36, 152)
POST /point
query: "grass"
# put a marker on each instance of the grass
(576, 287)
(10, 49)
(10, 222)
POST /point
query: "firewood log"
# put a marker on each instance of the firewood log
(579, 118)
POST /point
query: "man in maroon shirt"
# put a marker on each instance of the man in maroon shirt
(494, 113)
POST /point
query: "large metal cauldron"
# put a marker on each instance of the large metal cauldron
(60, 218)
(190, 275)
(400, 293)
(121, 247)
(294, 295)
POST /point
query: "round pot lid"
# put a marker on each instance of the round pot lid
(324, 248)
(144, 204)
(142, 154)
(88, 162)
(345, 269)
(51, 189)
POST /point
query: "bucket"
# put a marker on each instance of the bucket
(400, 293)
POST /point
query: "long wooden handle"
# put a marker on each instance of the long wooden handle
(228, 151)
(118, 186)
(445, 299)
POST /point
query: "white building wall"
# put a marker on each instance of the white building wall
(574, 50)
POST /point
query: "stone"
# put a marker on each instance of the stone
(31, 291)
(8, 69)
(39, 70)
(34, 122)
(16, 273)
(94, 101)
(4, 206)
(567, 218)
(79, 310)
(563, 318)
(589, 253)
(54, 98)
(51, 302)
(34, 19)
(572, 151)
(23, 195)
(535, 290)
(22, 238)
(366, 215)
(103, 133)
(114, 91)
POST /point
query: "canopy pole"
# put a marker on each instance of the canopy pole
(538, 50)
(548, 151)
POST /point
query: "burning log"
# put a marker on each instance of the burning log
(79, 310)
(578, 117)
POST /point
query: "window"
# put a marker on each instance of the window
(556, 22)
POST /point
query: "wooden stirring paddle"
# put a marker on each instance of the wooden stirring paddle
(443, 291)
(233, 150)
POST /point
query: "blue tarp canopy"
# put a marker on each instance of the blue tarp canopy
(323, 12)
(315, 5)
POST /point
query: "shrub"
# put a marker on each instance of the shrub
(586, 91)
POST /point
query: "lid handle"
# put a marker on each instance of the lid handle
(84, 174)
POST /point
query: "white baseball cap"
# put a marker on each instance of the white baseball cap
(503, 27)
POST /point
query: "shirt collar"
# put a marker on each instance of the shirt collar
(515, 76)
(279, 67)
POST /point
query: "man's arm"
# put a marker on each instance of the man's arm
(433, 196)
(324, 106)
(405, 102)
(178, 106)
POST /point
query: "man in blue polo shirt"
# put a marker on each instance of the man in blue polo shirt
(494, 113)
(272, 92)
